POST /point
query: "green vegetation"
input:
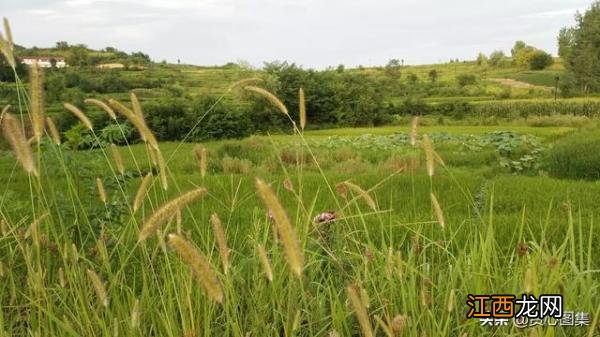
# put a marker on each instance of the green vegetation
(576, 156)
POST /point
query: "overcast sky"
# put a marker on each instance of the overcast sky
(313, 33)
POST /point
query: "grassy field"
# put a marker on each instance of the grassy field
(345, 232)
(82, 271)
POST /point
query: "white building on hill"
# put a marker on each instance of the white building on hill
(44, 61)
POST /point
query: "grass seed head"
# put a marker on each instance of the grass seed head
(15, 136)
(202, 159)
(221, 239)
(98, 287)
(269, 97)
(429, 155)
(141, 192)
(438, 211)
(100, 104)
(165, 212)
(101, 190)
(264, 261)
(114, 150)
(302, 108)
(360, 311)
(80, 115)
(36, 94)
(287, 234)
(414, 131)
(53, 131)
(199, 265)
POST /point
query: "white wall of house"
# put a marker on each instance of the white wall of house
(44, 62)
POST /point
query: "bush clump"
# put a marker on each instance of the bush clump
(577, 156)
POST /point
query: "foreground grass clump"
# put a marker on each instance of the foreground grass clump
(170, 239)
(576, 156)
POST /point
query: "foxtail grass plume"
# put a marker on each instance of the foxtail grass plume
(53, 131)
(284, 228)
(103, 106)
(98, 287)
(359, 310)
(362, 193)
(141, 192)
(264, 261)
(414, 131)
(145, 134)
(429, 155)
(439, 215)
(36, 94)
(269, 97)
(165, 211)
(101, 190)
(61, 277)
(199, 265)
(15, 136)
(302, 108)
(117, 158)
(399, 323)
(80, 115)
(242, 82)
(7, 45)
(451, 301)
(202, 158)
(219, 233)
(136, 106)
(162, 168)
(135, 314)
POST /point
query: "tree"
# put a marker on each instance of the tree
(481, 59)
(62, 45)
(392, 69)
(433, 75)
(582, 50)
(540, 60)
(566, 38)
(496, 57)
(519, 45)
(78, 56)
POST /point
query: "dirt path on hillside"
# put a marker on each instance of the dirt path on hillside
(518, 84)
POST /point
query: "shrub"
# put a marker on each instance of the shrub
(466, 79)
(219, 120)
(231, 165)
(576, 156)
(540, 60)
